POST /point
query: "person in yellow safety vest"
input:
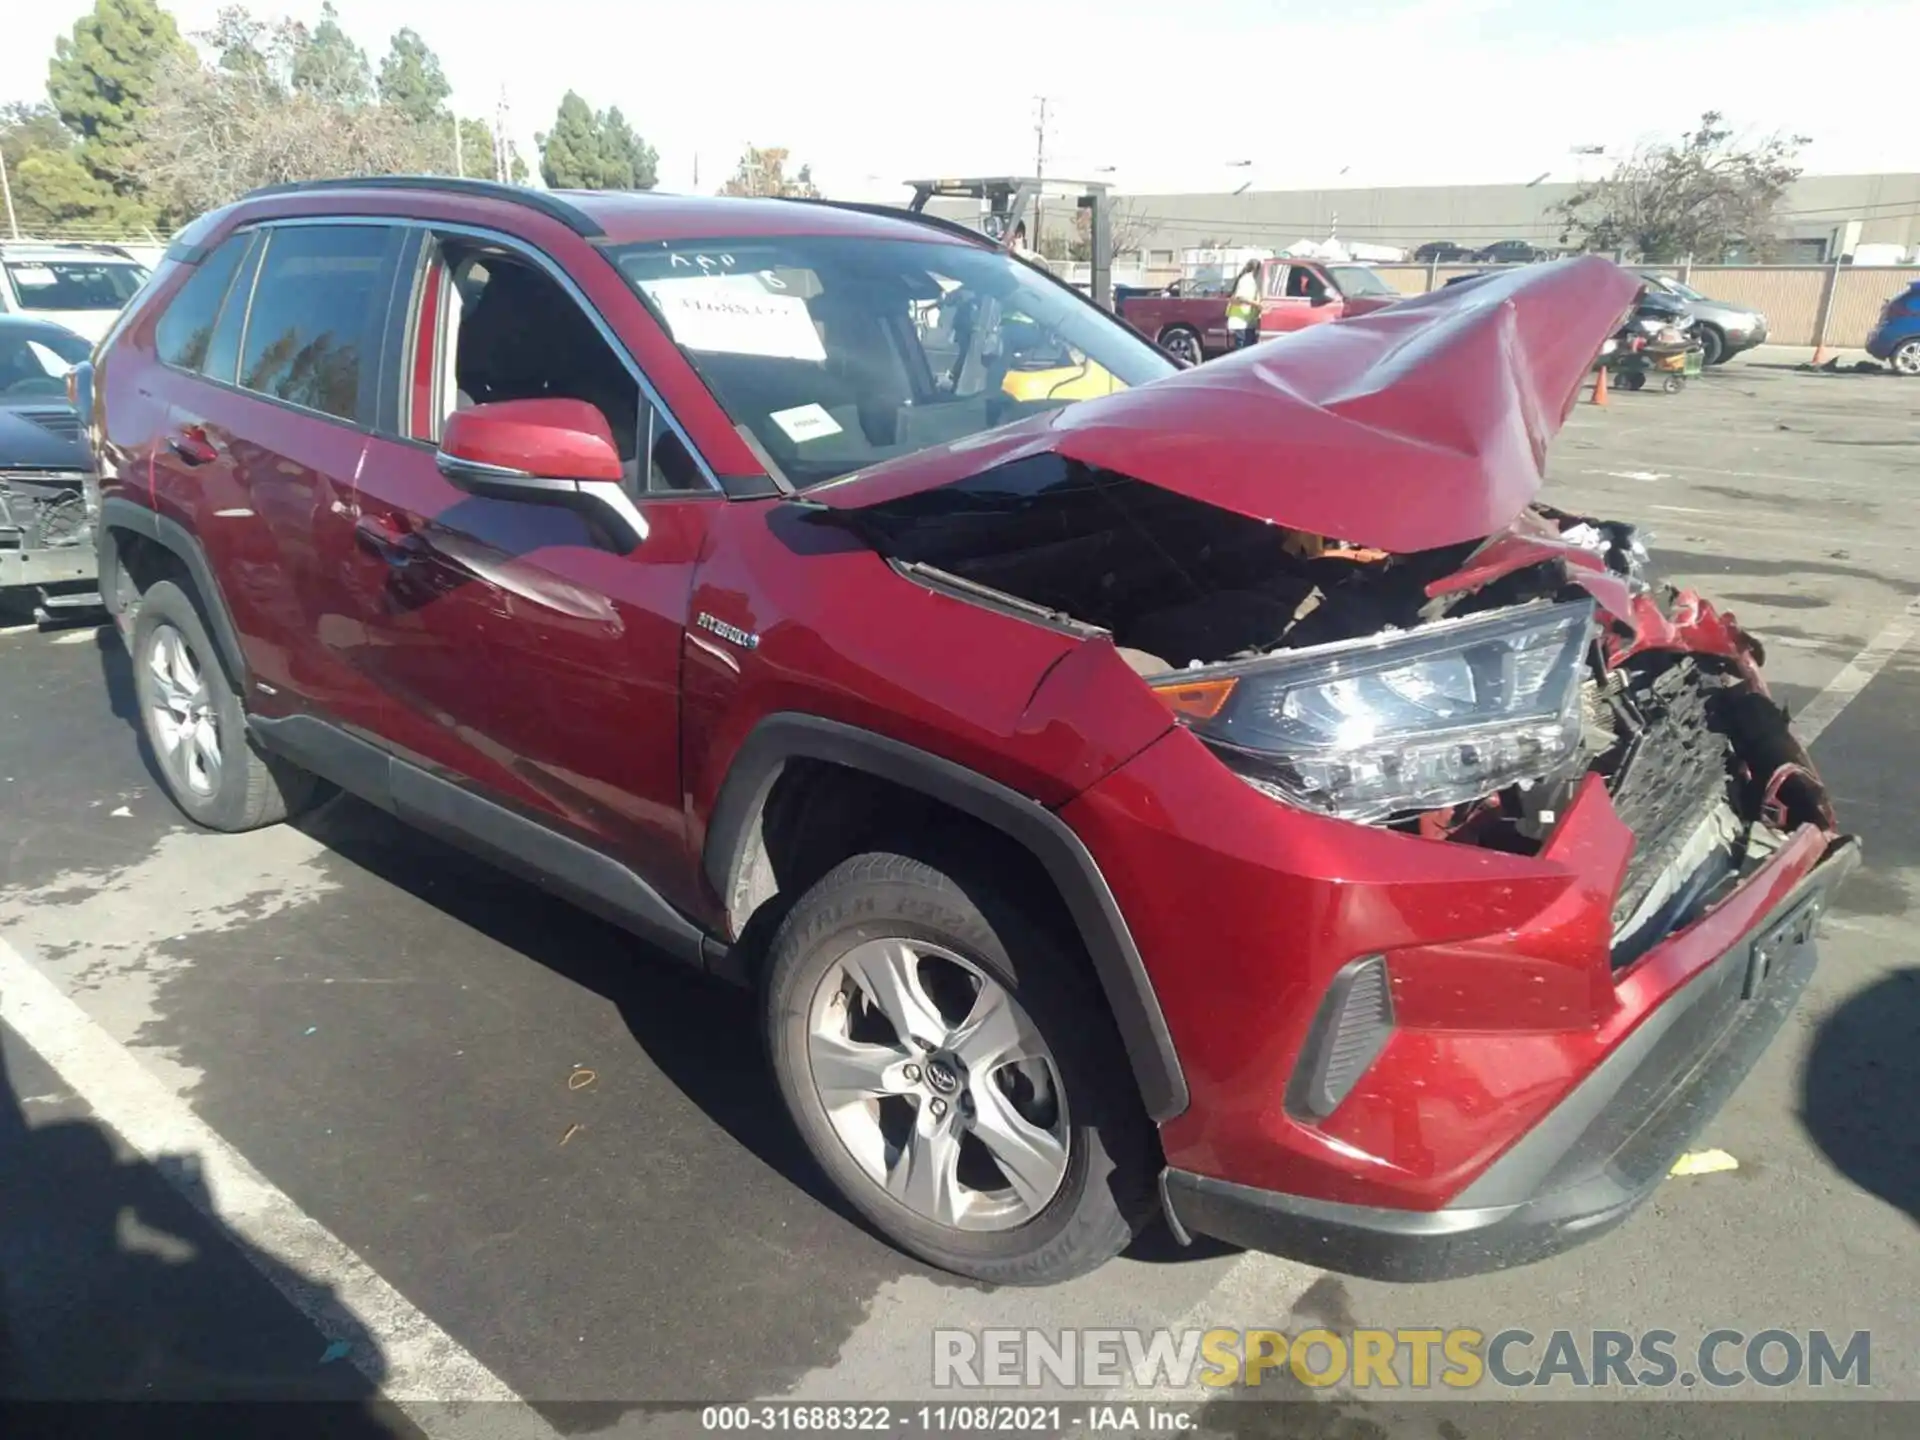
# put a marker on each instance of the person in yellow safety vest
(1243, 307)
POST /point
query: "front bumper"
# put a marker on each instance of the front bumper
(1591, 1160)
(1885, 339)
(46, 567)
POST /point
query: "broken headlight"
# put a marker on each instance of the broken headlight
(1413, 720)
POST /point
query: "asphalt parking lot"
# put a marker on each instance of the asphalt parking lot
(565, 1158)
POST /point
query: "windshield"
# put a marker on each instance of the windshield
(837, 352)
(1359, 280)
(74, 284)
(35, 359)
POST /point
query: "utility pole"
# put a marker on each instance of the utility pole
(502, 147)
(6, 188)
(1037, 241)
(459, 161)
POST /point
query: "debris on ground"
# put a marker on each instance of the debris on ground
(123, 813)
(1704, 1162)
(572, 1130)
(581, 1078)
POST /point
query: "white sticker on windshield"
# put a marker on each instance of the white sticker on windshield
(805, 422)
(735, 315)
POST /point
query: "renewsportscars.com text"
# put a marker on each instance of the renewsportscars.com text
(1414, 1359)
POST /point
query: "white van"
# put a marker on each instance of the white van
(82, 287)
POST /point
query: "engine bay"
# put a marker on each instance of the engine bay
(1670, 711)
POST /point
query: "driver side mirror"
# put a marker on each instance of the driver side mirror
(542, 452)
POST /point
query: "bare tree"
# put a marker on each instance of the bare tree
(1703, 197)
(215, 133)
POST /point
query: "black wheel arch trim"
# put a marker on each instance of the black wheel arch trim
(118, 513)
(1123, 978)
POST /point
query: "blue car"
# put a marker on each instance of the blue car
(1896, 339)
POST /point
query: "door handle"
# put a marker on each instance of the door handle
(191, 445)
(391, 540)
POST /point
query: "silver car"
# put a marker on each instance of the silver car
(1725, 329)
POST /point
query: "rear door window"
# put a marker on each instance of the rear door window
(186, 327)
(312, 335)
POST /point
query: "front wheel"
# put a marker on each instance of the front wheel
(1905, 359)
(1713, 346)
(1183, 343)
(196, 728)
(948, 1062)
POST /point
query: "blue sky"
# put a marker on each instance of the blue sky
(1149, 96)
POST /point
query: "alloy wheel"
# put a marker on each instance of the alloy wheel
(1186, 345)
(182, 718)
(1907, 358)
(938, 1084)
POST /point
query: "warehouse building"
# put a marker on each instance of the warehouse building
(1824, 216)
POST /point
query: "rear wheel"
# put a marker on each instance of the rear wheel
(1183, 341)
(1906, 357)
(948, 1062)
(193, 720)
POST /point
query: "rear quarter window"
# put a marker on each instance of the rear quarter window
(186, 325)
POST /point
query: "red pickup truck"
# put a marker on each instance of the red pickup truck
(1189, 318)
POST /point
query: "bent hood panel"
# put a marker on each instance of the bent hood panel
(1420, 425)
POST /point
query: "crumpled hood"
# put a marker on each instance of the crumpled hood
(1420, 425)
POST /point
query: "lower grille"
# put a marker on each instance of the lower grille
(1675, 774)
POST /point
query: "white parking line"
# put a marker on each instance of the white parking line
(418, 1366)
(1854, 676)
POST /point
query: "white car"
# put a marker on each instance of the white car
(83, 287)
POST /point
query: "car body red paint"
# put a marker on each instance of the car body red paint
(1285, 307)
(610, 696)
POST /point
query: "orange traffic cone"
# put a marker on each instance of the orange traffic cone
(1600, 386)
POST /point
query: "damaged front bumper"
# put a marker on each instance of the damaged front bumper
(1592, 1159)
(46, 536)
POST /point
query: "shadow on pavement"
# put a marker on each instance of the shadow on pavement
(703, 1035)
(116, 1288)
(1858, 1091)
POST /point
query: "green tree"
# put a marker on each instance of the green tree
(102, 80)
(1704, 197)
(628, 151)
(586, 150)
(411, 79)
(329, 65)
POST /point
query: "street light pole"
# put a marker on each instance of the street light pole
(6, 188)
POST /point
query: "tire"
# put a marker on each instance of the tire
(1905, 359)
(1634, 380)
(1183, 341)
(1673, 384)
(196, 728)
(1715, 346)
(1082, 1185)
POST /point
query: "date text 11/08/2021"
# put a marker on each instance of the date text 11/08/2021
(962, 1419)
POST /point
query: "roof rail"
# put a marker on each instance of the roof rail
(554, 208)
(894, 212)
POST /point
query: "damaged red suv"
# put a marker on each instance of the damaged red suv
(1223, 794)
